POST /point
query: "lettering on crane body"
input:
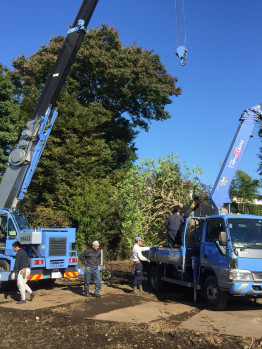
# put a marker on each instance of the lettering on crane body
(236, 154)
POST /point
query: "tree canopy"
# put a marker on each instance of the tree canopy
(9, 118)
(148, 194)
(111, 91)
(244, 189)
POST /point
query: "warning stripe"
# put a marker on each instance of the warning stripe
(36, 277)
(71, 274)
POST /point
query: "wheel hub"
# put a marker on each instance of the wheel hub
(212, 292)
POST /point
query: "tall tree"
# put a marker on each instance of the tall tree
(111, 91)
(244, 188)
(9, 118)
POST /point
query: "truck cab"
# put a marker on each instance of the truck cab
(235, 262)
(220, 255)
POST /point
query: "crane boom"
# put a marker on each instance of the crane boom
(220, 193)
(24, 158)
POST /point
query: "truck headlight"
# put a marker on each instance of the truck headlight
(240, 275)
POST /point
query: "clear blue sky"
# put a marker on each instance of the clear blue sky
(222, 77)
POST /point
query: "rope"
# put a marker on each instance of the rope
(184, 22)
(177, 27)
(181, 51)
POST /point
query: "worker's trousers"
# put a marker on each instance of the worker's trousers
(92, 273)
(138, 274)
(22, 282)
(173, 238)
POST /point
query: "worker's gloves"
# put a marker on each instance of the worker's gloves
(12, 276)
(148, 260)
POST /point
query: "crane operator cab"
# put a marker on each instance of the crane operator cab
(7, 230)
(3, 230)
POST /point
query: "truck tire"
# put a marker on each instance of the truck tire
(215, 298)
(155, 279)
(4, 266)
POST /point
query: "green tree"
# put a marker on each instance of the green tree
(244, 189)
(93, 212)
(9, 117)
(111, 91)
(148, 194)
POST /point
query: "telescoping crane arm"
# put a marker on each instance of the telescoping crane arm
(220, 193)
(24, 158)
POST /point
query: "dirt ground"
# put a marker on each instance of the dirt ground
(59, 317)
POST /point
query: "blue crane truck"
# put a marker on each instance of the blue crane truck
(221, 254)
(50, 250)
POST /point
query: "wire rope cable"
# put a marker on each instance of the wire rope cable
(181, 51)
(177, 26)
(184, 22)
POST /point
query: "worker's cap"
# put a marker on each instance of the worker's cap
(138, 238)
(95, 243)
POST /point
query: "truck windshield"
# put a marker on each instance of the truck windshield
(22, 222)
(246, 233)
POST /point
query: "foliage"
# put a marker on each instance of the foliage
(148, 195)
(244, 189)
(9, 124)
(246, 208)
(45, 216)
(111, 91)
(93, 212)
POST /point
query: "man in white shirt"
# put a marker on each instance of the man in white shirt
(138, 267)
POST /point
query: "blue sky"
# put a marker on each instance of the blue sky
(222, 77)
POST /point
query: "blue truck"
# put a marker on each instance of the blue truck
(50, 250)
(221, 254)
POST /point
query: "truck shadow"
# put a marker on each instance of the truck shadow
(184, 295)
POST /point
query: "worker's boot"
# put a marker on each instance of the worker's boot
(135, 290)
(141, 289)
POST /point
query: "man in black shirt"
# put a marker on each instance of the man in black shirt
(21, 269)
(91, 258)
(173, 224)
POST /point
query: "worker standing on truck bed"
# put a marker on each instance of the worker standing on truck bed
(22, 270)
(91, 258)
(173, 224)
(138, 267)
(200, 209)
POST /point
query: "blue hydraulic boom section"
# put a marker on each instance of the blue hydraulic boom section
(220, 193)
(24, 158)
(43, 134)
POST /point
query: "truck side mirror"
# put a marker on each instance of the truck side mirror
(223, 238)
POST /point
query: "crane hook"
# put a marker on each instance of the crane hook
(181, 52)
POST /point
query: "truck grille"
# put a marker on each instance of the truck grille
(57, 246)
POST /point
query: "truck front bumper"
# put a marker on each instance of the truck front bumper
(245, 288)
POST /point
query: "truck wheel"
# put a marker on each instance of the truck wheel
(155, 279)
(215, 298)
(4, 266)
